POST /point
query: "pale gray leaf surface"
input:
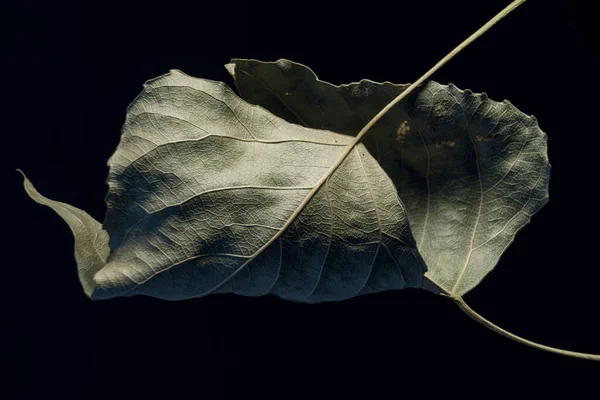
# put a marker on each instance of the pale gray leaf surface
(470, 171)
(202, 181)
(91, 241)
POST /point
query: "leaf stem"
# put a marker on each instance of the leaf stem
(488, 324)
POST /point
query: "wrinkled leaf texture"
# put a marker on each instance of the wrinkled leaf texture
(202, 182)
(470, 171)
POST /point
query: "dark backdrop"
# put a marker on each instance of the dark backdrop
(73, 67)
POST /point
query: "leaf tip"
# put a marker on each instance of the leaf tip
(230, 67)
(29, 188)
(22, 174)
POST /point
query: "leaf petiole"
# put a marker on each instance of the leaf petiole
(490, 325)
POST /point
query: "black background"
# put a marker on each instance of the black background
(73, 67)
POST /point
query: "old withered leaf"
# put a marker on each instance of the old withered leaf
(202, 181)
(470, 171)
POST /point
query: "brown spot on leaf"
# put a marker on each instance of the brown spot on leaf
(446, 144)
(402, 131)
(442, 109)
(480, 138)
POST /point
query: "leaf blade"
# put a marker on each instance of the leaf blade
(172, 147)
(413, 142)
